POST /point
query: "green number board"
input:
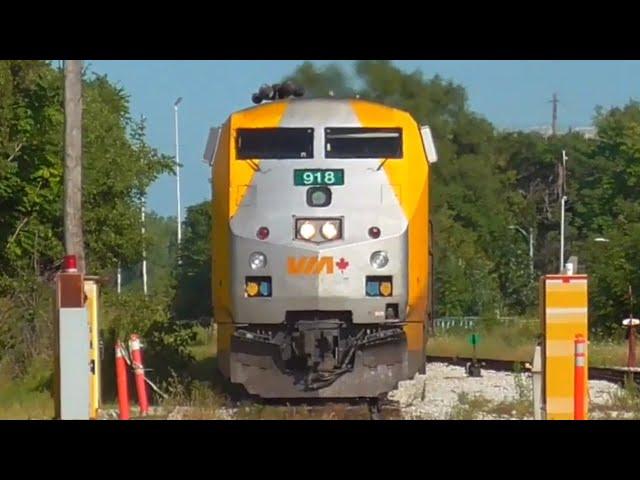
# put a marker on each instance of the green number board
(312, 177)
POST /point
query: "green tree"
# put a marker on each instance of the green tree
(31, 129)
(607, 204)
(118, 166)
(161, 251)
(193, 277)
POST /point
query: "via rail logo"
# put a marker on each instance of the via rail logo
(314, 265)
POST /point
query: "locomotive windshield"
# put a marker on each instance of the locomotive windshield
(363, 142)
(274, 143)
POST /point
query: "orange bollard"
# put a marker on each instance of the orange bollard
(579, 390)
(122, 382)
(138, 368)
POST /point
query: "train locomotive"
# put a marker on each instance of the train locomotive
(321, 246)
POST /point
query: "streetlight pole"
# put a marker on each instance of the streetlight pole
(144, 254)
(531, 248)
(144, 250)
(529, 237)
(562, 202)
(119, 279)
(562, 233)
(175, 109)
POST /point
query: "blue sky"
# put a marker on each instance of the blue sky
(511, 94)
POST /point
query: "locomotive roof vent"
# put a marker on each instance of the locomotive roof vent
(277, 91)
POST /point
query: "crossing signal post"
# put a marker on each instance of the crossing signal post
(72, 345)
(564, 315)
(92, 291)
(77, 348)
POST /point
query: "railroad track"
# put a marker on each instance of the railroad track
(488, 363)
(615, 375)
(339, 409)
(357, 409)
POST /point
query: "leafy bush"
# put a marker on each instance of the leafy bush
(26, 325)
(165, 342)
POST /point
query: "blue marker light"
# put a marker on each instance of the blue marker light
(264, 289)
(373, 289)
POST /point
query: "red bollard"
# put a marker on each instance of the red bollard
(579, 379)
(122, 382)
(138, 368)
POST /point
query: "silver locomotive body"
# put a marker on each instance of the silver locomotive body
(316, 316)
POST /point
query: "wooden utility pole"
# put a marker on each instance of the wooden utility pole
(73, 238)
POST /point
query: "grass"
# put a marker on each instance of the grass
(489, 347)
(469, 407)
(29, 398)
(20, 402)
(517, 342)
(608, 354)
(197, 399)
(623, 403)
(204, 351)
(477, 407)
(200, 388)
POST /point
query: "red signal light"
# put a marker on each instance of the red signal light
(263, 233)
(70, 263)
(374, 232)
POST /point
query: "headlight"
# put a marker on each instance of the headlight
(329, 231)
(307, 230)
(379, 260)
(257, 260)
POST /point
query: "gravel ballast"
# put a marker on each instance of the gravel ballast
(438, 394)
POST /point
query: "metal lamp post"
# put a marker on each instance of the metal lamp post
(175, 109)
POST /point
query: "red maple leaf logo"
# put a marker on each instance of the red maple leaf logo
(342, 264)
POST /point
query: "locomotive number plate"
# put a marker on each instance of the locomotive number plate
(313, 177)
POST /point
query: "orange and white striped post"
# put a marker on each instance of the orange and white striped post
(138, 369)
(122, 382)
(579, 390)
